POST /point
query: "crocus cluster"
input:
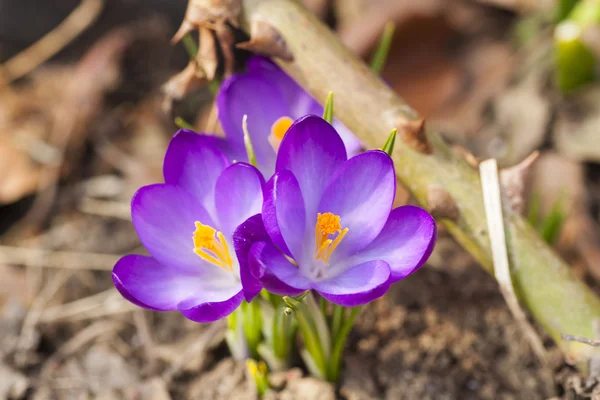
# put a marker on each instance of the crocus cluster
(220, 231)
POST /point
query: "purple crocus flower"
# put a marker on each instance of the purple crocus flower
(272, 100)
(327, 223)
(186, 224)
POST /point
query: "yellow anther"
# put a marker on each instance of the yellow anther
(281, 126)
(211, 246)
(278, 130)
(327, 224)
(204, 236)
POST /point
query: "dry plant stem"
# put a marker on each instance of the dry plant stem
(26, 339)
(198, 347)
(81, 339)
(40, 258)
(26, 61)
(490, 184)
(106, 208)
(559, 301)
(145, 335)
(99, 305)
(591, 342)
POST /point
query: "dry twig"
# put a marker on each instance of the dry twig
(78, 341)
(143, 330)
(581, 339)
(194, 349)
(492, 199)
(27, 338)
(26, 61)
(106, 303)
(105, 208)
(40, 258)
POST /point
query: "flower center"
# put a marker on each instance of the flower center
(211, 246)
(278, 130)
(327, 224)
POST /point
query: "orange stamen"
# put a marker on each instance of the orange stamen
(278, 131)
(327, 224)
(211, 248)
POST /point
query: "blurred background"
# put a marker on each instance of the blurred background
(84, 122)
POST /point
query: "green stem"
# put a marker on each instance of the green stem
(252, 323)
(323, 305)
(310, 333)
(183, 124)
(383, 48)
(337, 320)
(283, 333)
(328, 109)
(190, 45)
(339, 340)
(558, 300)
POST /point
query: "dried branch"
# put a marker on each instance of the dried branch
(30, 58)
(580, 339)
(42, 258)
(545, 284)
(490, 184)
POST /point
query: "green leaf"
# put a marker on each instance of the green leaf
(183, 124)
(388, 146)
(533, 212)
(190, 45)
(335, 362)
(328, 111)
(234, 335)
(248, 142)
(564, 8)
(552, 225)
(284, 331)
(310, 334)
(575, 63)
(383, 48)
(337, 320)
(585, 12)
(311, 365)
(320, 323)
(252, 323)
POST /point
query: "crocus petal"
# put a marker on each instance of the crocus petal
(119, 286)
(299, 100)
(353, 145)
(210, 312)
(292, 94)
(194, 162)
(256, 97)
(249, 232)
(275, 272)
(362, 193)
(164, 217)
(163, 288)
(283, 213)
(312, 150)
(405, 242)
(238, 195)
(356, 286)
